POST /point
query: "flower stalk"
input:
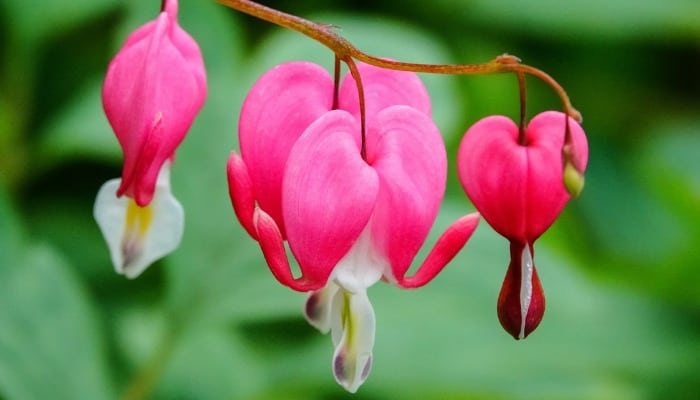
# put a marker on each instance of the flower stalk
(346, 51)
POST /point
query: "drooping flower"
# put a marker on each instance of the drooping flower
(516, 182)
(349, 221)
(154, 88)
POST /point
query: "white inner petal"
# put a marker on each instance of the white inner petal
(525, 287)
(362, 266)
(134, 248)
(353, 331)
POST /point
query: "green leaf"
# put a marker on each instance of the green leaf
(593, 19)
(80, 131)
(34, 21)
(210, 363)
(50, 345)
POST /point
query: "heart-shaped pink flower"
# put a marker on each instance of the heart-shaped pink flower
(515, 180)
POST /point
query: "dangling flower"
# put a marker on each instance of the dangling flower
(515, 179)
(154, 88)
(349, 221)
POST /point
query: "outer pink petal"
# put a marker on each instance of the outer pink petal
(151, 95)
(279, 107)
(518, 189)
(447, 246)
(272, 246)
(383, 88)
(406, 150)
(545, 133)
(240, 189)
(329, 194)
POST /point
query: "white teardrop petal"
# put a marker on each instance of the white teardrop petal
(138, 236)
(352, 360)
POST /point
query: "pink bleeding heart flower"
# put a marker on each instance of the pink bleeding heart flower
(349, 221)
(154, 88)
(516, 182)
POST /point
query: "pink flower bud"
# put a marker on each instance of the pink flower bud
(154, 88)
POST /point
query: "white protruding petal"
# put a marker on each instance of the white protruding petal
(362, 266)
(319, 306)
(526, 266)
(352, 359)
(137, 236)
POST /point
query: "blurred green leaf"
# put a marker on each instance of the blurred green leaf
(33, 21)
(80, 131)
(225, 369)
(10, 233)
(576, 20)
(50, 345)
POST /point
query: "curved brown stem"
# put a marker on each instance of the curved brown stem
(344, 50)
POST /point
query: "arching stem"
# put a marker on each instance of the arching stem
(344, 50)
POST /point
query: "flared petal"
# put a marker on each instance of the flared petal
(407, 151)
(517, 188)
(153, 89)
(383, 88)
(240, 190)
(278, 108)
(272, 246)
(329, 194)
(446, 248)
(138, 236)
(353, 336)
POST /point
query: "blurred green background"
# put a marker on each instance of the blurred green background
(621, 268)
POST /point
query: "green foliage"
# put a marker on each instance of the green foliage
(619, 269)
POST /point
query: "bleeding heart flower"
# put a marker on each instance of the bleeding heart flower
(516, 182)
(154, 88)
(349, 221)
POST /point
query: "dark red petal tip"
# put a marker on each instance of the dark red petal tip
(518, 297)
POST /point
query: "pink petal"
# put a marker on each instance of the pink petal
(446, 248)
(240, 189)
(151, 94)
(406, 150)
(383, 88)
(272, 246)
(329, 194)
(279, 107)
(518, 189)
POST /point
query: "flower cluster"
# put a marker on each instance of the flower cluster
(348, 176)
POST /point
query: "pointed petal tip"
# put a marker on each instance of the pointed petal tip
(446, 248)
(521, 302)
